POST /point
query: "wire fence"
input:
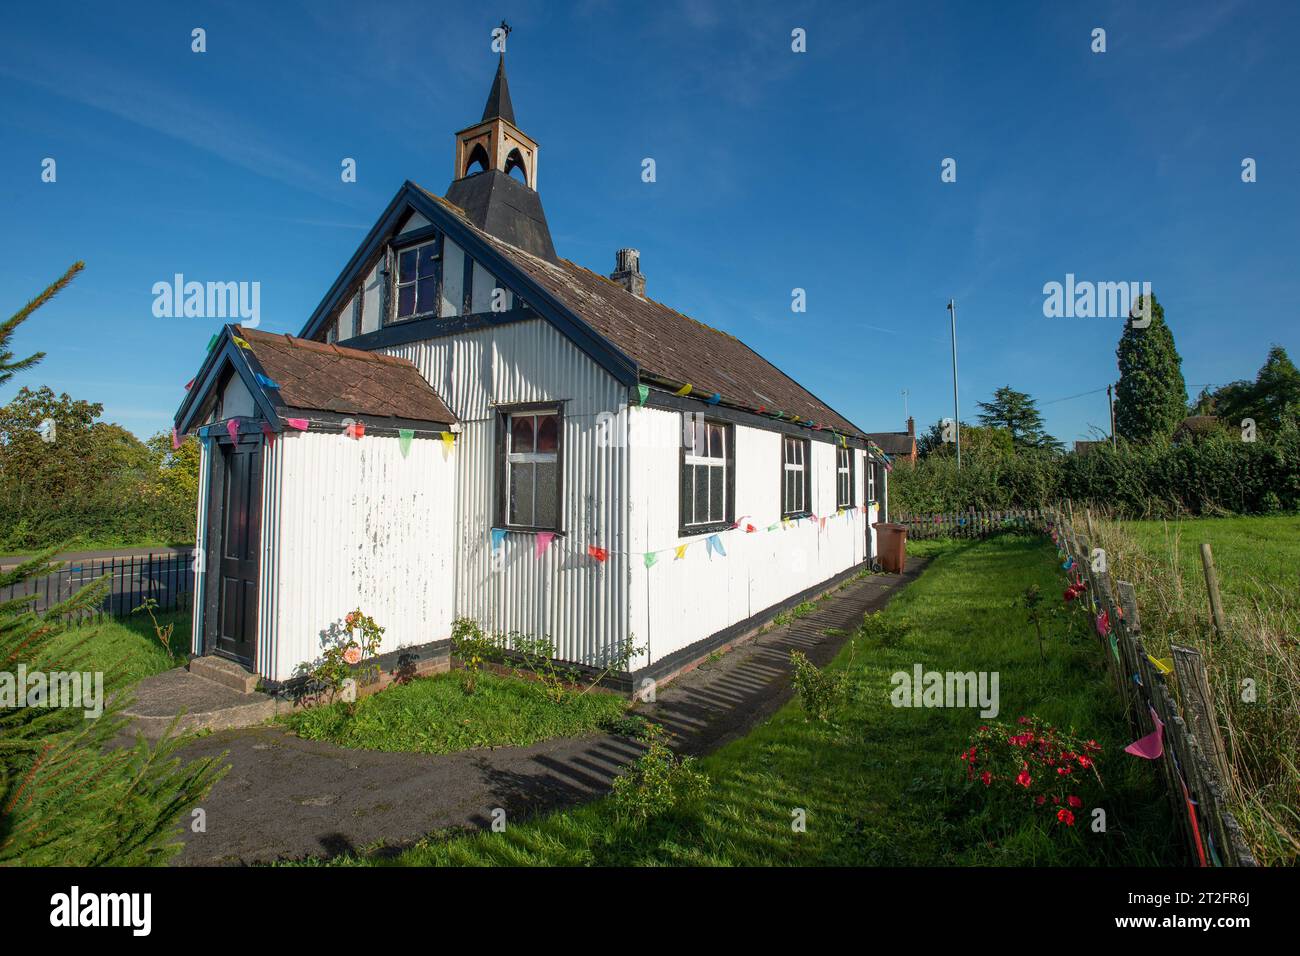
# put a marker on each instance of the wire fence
(166, 578)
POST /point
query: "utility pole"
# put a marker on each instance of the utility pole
(1110, 400)
(956, 413)
(905, 394)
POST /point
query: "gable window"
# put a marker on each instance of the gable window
(707, 475)
(794, 476)
(528, 468)
(844, 477)
(418, 270)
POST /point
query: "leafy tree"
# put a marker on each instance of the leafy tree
(1272, 399)
(1018, 414)
(977, 441)
(8, 364)
(1151, 396)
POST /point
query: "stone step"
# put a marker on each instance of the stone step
(179, 700)
(224, 672)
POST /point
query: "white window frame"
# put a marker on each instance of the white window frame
(801, 467)
(871, 481)
(717, 468)
(513, 458)
(399, 285)
(844, 476)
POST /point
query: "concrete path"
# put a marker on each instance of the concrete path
(289, 798)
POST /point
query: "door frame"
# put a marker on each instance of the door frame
(215, 545)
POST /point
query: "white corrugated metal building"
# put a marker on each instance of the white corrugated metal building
(470, 426)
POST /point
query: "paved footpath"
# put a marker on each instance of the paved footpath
(289, 798)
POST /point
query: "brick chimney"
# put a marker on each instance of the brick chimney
(911, 427)
(627, 272)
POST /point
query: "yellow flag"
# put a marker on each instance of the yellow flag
(448, 439)
(684, 390)
(681, 551)
(240, 342)
(1164, 665)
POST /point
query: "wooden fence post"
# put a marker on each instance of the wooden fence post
(1199, 707)
(1212, 586)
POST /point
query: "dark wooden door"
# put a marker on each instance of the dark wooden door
(241, 522)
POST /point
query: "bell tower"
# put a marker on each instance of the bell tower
(495, 142)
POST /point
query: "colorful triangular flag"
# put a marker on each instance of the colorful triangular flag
(404, 436)
(298, 423)
(684, 390)
(643, 392)
(544, 539)
(232, 429)
(498, 536)
(650, 558)
(600, 554)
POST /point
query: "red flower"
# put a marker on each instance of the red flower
(986, 777)
(1065, 816)
(1064, 770)
(1074, 802)
(1024, 779)
(1041, 800)
(1085, 761)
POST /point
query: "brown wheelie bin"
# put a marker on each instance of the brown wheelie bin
(891, 546)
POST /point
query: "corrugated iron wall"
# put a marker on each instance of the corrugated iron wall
(565, 595)
(675, 603)
(348, 524)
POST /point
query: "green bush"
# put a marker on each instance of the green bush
(1219, 473)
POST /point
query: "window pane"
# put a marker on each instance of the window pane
(547, 433)
(717, 493)
(406, 265)
(688, 494)
(521, 434)
(787, 493)
(429, 260)
(405, 301)
(699, 444)
(428, 289)
(701, 493)
(717, 448)
(545, 495)
(521, 493)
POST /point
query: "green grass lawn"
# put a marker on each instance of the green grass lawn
(125, 649)
(434, 715)
(1258, 558)
(882, 785)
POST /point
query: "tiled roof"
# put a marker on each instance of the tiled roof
(329, 378)
(671, 349)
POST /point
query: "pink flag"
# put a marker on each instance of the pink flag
(544, 539)
(298, 423)
(823, 523)
(1152, 745)
(1103, 623)
(176, 438)
(232, 427)
(269, 433)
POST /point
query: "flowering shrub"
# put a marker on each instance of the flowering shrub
(1033, 761)
(343, 648)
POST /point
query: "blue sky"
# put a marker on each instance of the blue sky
(775, 170)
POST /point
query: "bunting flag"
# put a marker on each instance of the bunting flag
(714, 544)
(544, 539)
(681, 551)
(240, 342)
(750, 529)
(1152, 745)
(232, 429)
(713, 399)
(269, 432)
(189, 385)
(1114, 647)
(1103, 623)
(1164, 665)
(266, 382)
(643, 392)
(355, 430)
(298, 423)
(448, 439)
(404, 436)
(773, 526)
(684, 390)
(600, 554)
(213, 341)
(822, 524)
(650, 558)
(176, 438)
(498, 536)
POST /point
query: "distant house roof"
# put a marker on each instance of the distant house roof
(669, 348)
(330, 378)
(892, 443)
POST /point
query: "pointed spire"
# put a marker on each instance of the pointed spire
(498, 101)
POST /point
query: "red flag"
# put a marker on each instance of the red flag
(600, 554)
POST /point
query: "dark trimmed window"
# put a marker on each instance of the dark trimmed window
(795, 453)
(419, 270)
(871, 480)
(708, 475)
(529, 463)
(843, 477)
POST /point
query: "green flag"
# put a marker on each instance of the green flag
(650, 558)
(644, 392)
(404, 436)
